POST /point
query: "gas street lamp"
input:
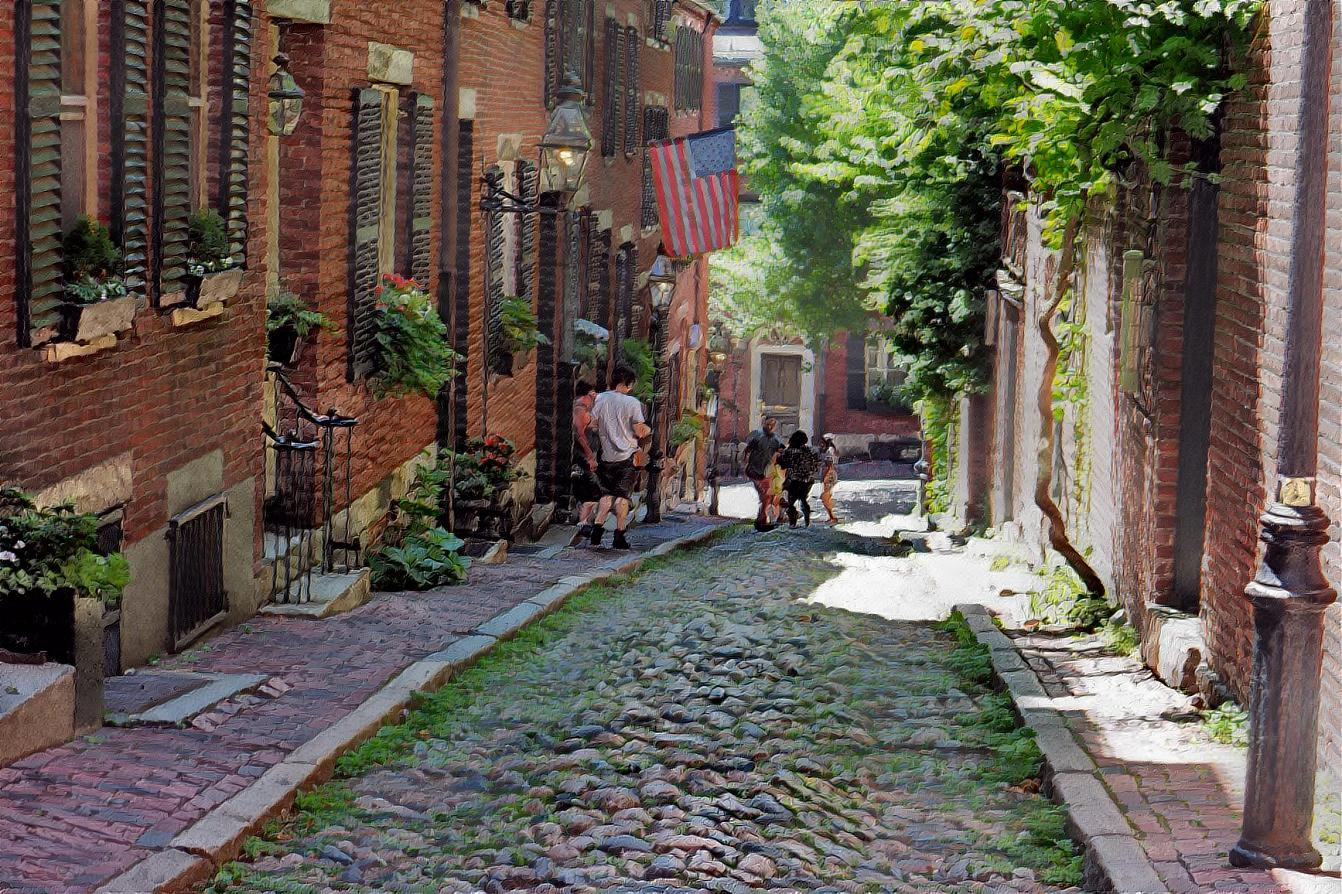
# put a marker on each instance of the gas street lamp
(662, 285)
(567, 141)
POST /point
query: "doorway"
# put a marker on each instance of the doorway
(780, 390)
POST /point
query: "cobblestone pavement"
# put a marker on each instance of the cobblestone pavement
(73, 816)
(700, 728)
(1179, 789)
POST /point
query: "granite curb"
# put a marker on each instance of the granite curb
(1115, 861)
(217, 837)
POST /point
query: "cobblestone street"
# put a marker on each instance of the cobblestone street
(698, 728)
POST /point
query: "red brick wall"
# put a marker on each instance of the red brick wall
(164, 395)
(833, 413)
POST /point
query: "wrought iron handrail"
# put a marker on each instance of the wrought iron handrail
(290, 514)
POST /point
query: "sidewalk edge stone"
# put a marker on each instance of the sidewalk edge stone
(217, 836)
(1115, 860)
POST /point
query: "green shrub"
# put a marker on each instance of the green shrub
(689, 427)
(521, 332)
(413, 342)
(208, 249)
(423, 561)
(92, 263)
(45, 551)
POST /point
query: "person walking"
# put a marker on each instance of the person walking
(586, 487)
(760, 449)
(618, 417)
(800, 464)
(829, 475)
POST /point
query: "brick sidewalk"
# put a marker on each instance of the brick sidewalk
(1180, 790)
(74, 816)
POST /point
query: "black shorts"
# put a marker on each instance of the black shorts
(618, 480)
(586, 487)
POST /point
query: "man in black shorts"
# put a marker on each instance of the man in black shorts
(618, 417)
(586, 486)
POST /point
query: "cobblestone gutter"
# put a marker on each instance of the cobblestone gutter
(1114, 859)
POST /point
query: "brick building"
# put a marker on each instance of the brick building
(1165, 466)
(150, 409)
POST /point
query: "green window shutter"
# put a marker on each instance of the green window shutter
(38, 169)
(365, 219)
(421, 200)
(130, 206)
(173, 165)
(528, 190)
(234, 131)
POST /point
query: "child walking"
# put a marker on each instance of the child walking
(800, 466)
(829, 472)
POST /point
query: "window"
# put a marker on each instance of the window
(740, 12)
(197, 101)
(885, 373)
(79, 99)
(729, 104)
(570, 32)
(655, 127)
(689, 79)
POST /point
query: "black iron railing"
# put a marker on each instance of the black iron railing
(312, 468)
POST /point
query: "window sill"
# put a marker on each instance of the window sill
(663, 45)
(61, 351)
(189, 316)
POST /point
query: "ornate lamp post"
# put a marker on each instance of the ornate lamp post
(662, 283)
(1290, 593)
(284, 99)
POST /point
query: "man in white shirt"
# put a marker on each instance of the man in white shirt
(618, 417)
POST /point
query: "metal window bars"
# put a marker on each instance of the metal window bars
(306, 445)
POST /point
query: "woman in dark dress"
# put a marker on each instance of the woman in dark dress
(800, 465)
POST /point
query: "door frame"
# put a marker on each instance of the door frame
(806, 409)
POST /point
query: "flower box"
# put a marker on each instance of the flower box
(213, 288)
(86, 323)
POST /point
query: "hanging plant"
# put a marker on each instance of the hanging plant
(289, 320)
(521, 332)
(412, 340)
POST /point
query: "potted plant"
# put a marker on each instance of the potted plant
(591, 347)
(96, 303)
(212, 277)
(412, 340)
(288, 322)
(55, 589)
(521, 334)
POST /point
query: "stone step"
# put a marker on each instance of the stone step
(181, 707)
(37, 708)
(331, 594)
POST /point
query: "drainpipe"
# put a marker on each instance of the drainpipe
(1289, 593)
(447, 217)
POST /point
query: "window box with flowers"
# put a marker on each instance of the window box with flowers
(520, 335)
(414, 355)
(96, 304)
(212, 276)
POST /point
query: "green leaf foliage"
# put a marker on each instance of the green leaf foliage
(425, 560)
(48, 550)
(287, 310)
(521, 332)
(413, 341)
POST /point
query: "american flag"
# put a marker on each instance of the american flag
(697, 191)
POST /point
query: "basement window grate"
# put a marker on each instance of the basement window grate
(196, 596)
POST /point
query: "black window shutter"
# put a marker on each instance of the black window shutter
(554, 43)
(364, 227)
(631, 99)
(857, 371)
(528, 190)
(655, 127)
(173, 164)
(234, 132)
(421, 186)
(614, 92)
(37, 171)
(494, 294)
(130, 165)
